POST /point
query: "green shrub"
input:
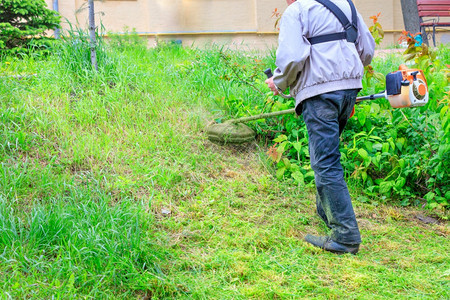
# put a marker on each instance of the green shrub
(396, 155)
(392, 154)
(23, 25)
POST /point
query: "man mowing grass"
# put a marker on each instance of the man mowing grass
(323, 48)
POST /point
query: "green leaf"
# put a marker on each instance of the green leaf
(386, 186)
(391, 142)
(443, 149)
(281, 147)
(410, 57)
(280, 172)
(385, 148)
(361, 118)
(378, 76)
(377, 146)
(309, 174)
(298, 146)
(294, 167)
(447, 195)
(364, 176)
(280, 138)
(368, 124)
(363, 153)
(429, 196)
(375, 138)
(376, 160)
(442, 112)
(400, 182)
(298, 177)
(400, 143)
(374, 108)
(369, 146)
(287, 163)
(432, 205)
(405, 202)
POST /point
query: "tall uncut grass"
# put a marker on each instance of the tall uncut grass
(110, 189)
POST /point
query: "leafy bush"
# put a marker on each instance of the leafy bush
(392, 154)
(405, 153)
(23, 24)
(399, 155)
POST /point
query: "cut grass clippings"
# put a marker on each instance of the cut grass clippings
(110, 189)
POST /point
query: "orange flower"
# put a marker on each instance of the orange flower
(375, 18)
(275, 13)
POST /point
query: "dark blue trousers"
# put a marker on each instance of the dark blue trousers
(326, 116)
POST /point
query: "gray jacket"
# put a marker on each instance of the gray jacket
(311, 70)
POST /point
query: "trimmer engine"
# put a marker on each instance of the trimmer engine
(406, 88)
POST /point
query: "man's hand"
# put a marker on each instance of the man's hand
(272, 86)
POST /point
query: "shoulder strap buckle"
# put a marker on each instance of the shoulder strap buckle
(351, 32)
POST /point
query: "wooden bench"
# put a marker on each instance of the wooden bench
(434, 9)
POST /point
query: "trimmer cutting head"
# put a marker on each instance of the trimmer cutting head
(235, 132)
(230, 133)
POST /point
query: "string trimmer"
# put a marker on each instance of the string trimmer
(404, 88)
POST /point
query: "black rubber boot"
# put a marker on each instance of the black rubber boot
(326, 243)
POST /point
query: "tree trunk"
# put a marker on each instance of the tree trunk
(92, 34)
(411, 18)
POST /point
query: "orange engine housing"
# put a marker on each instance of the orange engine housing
(406, 73)
(414, 92)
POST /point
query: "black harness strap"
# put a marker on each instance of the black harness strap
(327, 38)
(351, 29)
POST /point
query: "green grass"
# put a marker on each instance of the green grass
(110, 189)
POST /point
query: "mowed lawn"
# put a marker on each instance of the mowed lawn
(109, 188)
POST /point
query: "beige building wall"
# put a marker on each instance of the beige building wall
(239, 23)
(391, 18)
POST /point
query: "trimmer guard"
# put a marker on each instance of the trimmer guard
(230, 133)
